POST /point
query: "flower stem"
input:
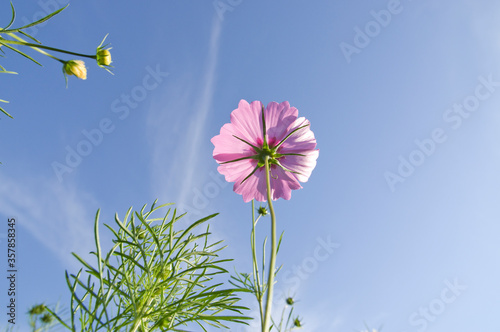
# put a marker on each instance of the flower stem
(37, 46)
(256, 273)
(272, 263)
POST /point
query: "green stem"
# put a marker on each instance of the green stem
(13, 35)
(141, 315)
(272, 263)
(35, 46)
(256, 274)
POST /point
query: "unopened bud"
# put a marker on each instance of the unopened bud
(297, 322)
(164, 322)
(47, 318)
(140, 233)
(37, 309)
(164, 272)
(262, 211)
(103, 57)
(75, 67)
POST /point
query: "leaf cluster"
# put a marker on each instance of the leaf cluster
(154, 278)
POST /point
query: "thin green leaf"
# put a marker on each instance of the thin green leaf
(279, 242)
(30, 37)
(19, 52)
(12, 19)
(122, 226)
(56, 316)
(3, 71)
(37, 22)
(129, 258)
(151, 232)
(98, 245)
(5, 112)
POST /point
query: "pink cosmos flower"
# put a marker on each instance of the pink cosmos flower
(255, 132)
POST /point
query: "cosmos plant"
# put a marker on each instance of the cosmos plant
(266, 152)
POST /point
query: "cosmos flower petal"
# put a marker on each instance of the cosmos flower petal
(253, 188)
(227, 147)
(282, 183)
(302, 140)
(303, 165)
(247, 121)
(237, 171)
(278, 119)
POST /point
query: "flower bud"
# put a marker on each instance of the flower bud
(141, 234)
(163, 271)
(262, 211)
(157, 291)
(290, 301)
(297, 322)
(75, 67)
(37, 309)
(164, 322)
(47, 318)
(103, 57)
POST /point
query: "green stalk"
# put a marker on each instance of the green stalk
(23, 42)
(272, 263)
(138, 321)
(37, 46)
(256, 274)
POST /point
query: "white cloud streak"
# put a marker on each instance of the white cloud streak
(177, 129)
(55, 214)
(203, 106)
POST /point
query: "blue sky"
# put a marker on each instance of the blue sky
(398, 224)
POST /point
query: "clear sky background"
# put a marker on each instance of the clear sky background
(403, 98)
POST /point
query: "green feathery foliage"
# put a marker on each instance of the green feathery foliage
(154, 278)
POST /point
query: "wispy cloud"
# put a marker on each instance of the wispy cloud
(203, 107)
(55, 214)
(177, 125)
